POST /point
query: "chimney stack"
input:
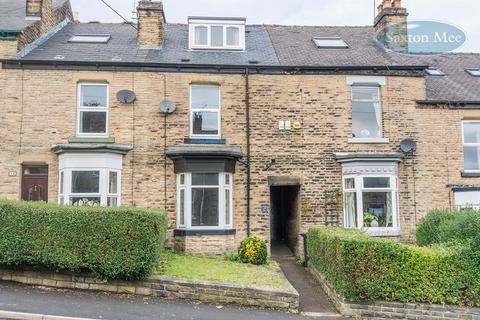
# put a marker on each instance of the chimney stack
(391, 25)
(151, 23)
(38, 8)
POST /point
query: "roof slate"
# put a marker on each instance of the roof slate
(13, 14)
(123, 44)
(269, 45)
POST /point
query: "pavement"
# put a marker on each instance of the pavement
(313, 300)
(54, 304)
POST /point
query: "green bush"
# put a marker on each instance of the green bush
(362, 268)
(108, 242)
(443, 226)
(253, 250)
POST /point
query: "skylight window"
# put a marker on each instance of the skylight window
(90, 38)
(475, 72)
(330, 42)
(435, 72)
(217, 33)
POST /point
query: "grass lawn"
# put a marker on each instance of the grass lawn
(219, 270)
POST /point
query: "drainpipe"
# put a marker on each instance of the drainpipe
(305, 249)
(247, 115)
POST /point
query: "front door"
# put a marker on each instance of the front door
(35, 183)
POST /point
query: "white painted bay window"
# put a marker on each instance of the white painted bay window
(471, 146)
(468, 199)
(90, 179)
(370, 197)
(92, 114)
(205, 117)
(204, 200)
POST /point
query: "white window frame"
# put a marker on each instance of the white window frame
(218, 23)
(187, 188)
(465, 144)
(359, 190)
(104, 184)
(218, 111)
(81, 109)
(380, 139)
(460, 197)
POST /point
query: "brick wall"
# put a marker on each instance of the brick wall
(36, 113)
(8, 49)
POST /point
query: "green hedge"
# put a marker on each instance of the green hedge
(362, 268)
(443, 226)
(112, 243)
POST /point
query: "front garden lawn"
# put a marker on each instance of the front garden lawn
(220, 270)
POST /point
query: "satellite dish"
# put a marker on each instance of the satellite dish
(167, 107)
(126, 96)
(408, 146)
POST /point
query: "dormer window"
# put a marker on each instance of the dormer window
(217, 33)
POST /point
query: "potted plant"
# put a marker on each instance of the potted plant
(369, 220)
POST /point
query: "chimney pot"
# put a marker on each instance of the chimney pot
(387, 4)
(397, 3)
(380, 8)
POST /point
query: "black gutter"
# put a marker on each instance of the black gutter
(247, 116)
(452, 104)
(204, 68)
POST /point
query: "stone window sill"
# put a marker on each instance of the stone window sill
(91, 140)
(470, 174)
(204, 141)
(368, 140)
(206, 232)
(383, 232)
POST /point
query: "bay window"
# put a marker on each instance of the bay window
(92, 114)
(471, 146)
(468, 199)
(370, 201)
(204, 200)
(89, 179)
(205, 111)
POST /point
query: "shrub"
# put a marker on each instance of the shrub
(443, 226)
(108, 242)
(231, 256)
(253, 250)
(362, 268)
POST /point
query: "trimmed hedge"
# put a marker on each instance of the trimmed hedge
(443, 226)
(111, 243)
(362, 268)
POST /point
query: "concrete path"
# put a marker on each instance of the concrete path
(313, 300)
(38, 302)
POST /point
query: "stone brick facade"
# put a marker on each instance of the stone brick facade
(35, 114)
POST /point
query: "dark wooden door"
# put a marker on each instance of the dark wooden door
(35, 183)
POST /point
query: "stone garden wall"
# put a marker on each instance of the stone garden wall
(165, 287)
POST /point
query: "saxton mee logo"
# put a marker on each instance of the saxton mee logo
(422, 37)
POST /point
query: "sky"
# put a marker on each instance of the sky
(461, 13)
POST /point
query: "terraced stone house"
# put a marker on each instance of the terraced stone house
(234, 129)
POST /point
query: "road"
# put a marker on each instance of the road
(82, 304)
